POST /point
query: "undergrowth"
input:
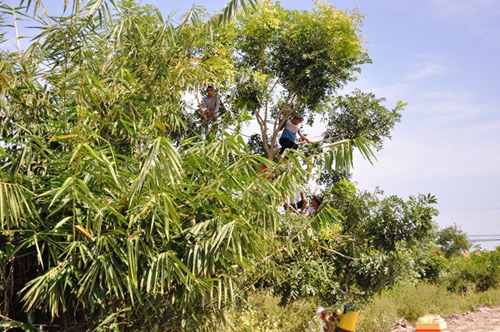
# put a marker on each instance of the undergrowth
(411, 302)
(264, 314)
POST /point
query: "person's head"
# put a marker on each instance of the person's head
(321, 311)
(316, 202)
(349, 306)
(297, 118)
(210, 91)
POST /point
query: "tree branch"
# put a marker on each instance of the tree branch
(17, 33)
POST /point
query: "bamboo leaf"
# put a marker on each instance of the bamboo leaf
(62, 190)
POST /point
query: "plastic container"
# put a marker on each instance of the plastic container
(431, 323)
(431, 327)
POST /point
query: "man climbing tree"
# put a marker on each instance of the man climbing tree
(289, 134)
(209, 109)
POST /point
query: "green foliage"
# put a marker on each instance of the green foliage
(316, 54)
(311, 53)
(430, 263)
(292, 61)
(385, 236)
(365, 245)
(479, 272)
(309, 264)
(263, 313)
(361, 115)
(382, 223)
(114, 213)
(453, 241)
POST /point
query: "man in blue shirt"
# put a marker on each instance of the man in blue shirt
(289, 134)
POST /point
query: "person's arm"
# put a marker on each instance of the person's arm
(304, 202)
(217, 102)
(304, 137)
(203, 108)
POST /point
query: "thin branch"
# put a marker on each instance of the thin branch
(274, 85)
(17, 34)
(338, 253)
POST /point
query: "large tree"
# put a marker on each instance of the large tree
(296, 61)
(113, 213)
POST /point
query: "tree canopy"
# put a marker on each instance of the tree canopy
(114, 210)
(453, 241)
(296, 61)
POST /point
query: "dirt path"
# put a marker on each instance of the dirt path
(483, 320)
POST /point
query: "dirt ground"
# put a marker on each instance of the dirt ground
(484, 320)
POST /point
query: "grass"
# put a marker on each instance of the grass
(411, 302)
(262, 312)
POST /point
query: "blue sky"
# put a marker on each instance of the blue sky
(442, 57)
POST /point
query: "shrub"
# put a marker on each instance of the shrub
(480, 271)
(380, 315)
(262, 312)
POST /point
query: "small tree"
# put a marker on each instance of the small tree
(372, 243)
(453, 241)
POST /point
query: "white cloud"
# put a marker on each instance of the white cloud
(432, 70)
(428, 65)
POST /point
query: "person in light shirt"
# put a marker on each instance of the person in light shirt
(289, 134)
(209, 106)
(314, 207)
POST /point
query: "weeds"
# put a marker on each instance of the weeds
(262, 312)
(410, 301)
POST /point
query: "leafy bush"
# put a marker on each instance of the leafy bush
(263, 313)
(480, 271)
(423, 299)
(431, 266)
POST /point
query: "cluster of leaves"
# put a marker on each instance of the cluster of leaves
(373, 244)
(358, 114)
(361, 114)
(478, 272)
